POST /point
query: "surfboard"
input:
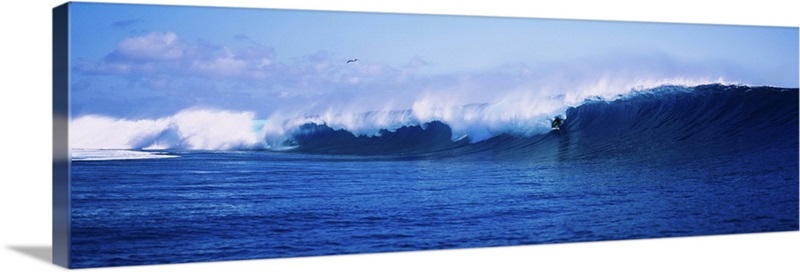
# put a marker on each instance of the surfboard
(555, 126)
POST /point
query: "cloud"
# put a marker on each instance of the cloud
(156, 54)
(153, 46)
(146, 59)
(161, 53)
(252, 76)
(416, 62)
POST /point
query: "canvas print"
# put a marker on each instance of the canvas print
(205, 134)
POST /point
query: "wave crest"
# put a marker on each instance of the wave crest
(521, 112)
(433, 122)
(666, 121)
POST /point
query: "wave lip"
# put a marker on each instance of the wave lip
(660, 122)
(669, 117)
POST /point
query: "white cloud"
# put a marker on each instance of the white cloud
(153, 46)
(157, 54)
(151, 56)
(162, 60)
(226, 66)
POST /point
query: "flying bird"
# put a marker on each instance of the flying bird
(352, 60)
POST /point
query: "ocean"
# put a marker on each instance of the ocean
(665, 162)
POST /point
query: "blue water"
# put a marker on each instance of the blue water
(700, 161)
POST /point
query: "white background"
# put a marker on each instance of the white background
(25, 141)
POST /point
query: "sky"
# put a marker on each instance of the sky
(145, 61)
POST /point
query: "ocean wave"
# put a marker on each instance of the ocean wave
(667, 119)
(635, 116)
(525, 111)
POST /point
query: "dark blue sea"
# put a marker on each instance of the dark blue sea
(669, 162)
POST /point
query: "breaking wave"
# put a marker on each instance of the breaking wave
(190, 130)
(667, 118)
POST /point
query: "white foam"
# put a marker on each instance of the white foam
(114, 154)
(192, 129)
(521, 111)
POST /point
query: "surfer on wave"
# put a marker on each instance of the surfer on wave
(556, 123)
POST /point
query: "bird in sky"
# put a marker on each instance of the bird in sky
(352, 60)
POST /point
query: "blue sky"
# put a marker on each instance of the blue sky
(136, 61)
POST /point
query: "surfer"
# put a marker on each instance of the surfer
(556, 123)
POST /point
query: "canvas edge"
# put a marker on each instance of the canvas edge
(60, 107)
(61, 199)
